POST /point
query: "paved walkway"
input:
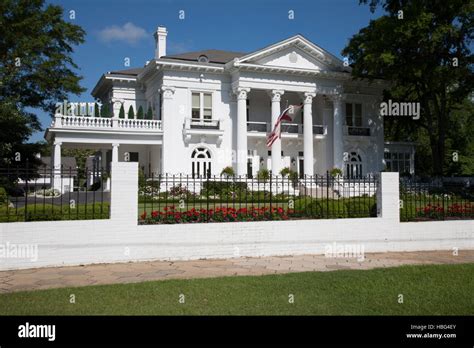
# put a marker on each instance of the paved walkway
(133, 272)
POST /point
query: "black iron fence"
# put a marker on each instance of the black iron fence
(436, 199)
(41, 194)
(187, 199)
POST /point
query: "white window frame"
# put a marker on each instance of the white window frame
(354, 114)
(201, 105)
(390, 162)
(354, 166)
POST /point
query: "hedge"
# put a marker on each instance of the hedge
(51, 212)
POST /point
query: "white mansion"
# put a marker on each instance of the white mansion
(212, 109)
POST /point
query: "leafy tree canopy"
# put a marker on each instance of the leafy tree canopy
(423, 48)
(36, 69)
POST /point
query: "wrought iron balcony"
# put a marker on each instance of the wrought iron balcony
(358, 131)
(203, 124)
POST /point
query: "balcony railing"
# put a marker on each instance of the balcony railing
(257, 127)
(194, 127)
(87, 122)
(203, 124)
(358, 131)
(320, 130)
(289, 128)
(292, 128)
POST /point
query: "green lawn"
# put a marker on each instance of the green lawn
(427, 290)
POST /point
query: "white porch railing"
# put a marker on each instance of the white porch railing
(63, 121)
(138, 124)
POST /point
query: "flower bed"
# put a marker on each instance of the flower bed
(438, 212)
(170, 215)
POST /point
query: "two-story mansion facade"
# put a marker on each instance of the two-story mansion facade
(212, 109)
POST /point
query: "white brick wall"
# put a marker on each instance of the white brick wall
(120, 239)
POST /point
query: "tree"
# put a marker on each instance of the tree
(149, 114)
(105, 110)
(424, 51)
(131, 113)
(96, 110)
(36, 70)
(140, 113)
(122, 112)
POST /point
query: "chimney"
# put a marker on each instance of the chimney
(160, 38)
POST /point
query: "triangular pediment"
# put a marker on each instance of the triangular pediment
(297, 53)
(292, 57)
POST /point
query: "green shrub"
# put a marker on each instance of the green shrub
(95, 186)
(131, 113)
(3, 196)
(332, 209)
(140, 113)
(290, 174)
(149, 114)
(335, 172)
(263, 174)
(105, 110)
(52, 212)
(228, 172)
(122, 112)
(259, 196)
(285, 171)
(216, 188)
(302, 202)
(358, 209)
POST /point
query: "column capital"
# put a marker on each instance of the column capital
(276, 94)
(241, 92)
(117, 100)
(308, 97)
(58, 143)
(115, 144)
(338, 97)
(168, 92)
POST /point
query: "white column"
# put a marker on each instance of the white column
(242, 130)
(115, 153)
(276, 147)
(338, 135)
(308, 134)
(57, 166)
(169, 131)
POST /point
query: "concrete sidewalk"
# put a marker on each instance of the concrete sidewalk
(133, 272)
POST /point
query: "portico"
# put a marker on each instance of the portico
(308, 130)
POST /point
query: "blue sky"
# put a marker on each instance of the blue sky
(119, 29)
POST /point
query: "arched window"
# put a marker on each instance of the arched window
(201, 162)
(354, 166)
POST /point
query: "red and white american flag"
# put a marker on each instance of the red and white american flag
(289, 115)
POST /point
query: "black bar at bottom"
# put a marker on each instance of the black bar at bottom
(139, 330)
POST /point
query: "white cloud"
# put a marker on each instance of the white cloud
(128, 33)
